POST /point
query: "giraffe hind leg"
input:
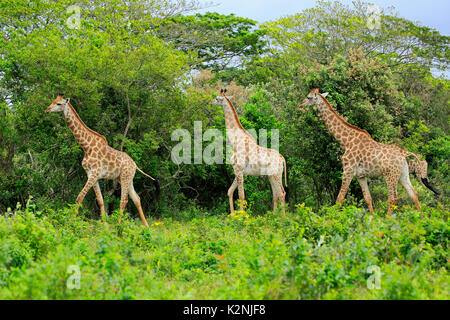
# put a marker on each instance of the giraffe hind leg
(230, 194)
(137, 202)
(406, 183)
(274, 192)
(126, 179)
(277, 192)
(366, 193)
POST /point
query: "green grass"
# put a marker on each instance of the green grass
(305, 255)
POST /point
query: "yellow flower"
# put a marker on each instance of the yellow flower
(157, 223)
(238, 215)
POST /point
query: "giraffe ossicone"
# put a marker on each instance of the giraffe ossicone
(100, 160)
(364, 157)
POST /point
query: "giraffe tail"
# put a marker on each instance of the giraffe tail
(155, 182)
(286, 188)
(424, 179)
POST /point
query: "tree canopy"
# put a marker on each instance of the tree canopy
(128, 68)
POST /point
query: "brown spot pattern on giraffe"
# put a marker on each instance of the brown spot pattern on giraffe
(364, 157)
(101, 161)
(249, 158)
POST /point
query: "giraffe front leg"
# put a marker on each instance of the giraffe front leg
(231, 192)
(92, 179)
(346, 180)
(366, 192)
(392, 193)
(240, 183)
(101, 204)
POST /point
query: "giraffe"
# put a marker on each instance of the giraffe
(100, 160)
(364, 157)
(250, 159)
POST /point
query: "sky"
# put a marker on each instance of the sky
(430, 13)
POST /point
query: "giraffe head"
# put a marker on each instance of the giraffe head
(313, 97)
(220, 100)
(58, 104)
(419, 168)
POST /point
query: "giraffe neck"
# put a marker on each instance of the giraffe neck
(338, 127)
(232, 123)
(84, 136)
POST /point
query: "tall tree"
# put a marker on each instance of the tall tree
(331, 28)
(218, 41)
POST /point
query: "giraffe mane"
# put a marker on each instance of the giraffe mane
(236, 117)
(341, 119)
(85, 126)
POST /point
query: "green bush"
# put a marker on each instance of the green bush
(308, 254)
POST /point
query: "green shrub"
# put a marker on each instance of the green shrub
(308, 254)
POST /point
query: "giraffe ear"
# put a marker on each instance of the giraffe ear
(325, 94)
(67, 100)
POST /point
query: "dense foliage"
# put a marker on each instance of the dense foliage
(326, 254)
(138, 70)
